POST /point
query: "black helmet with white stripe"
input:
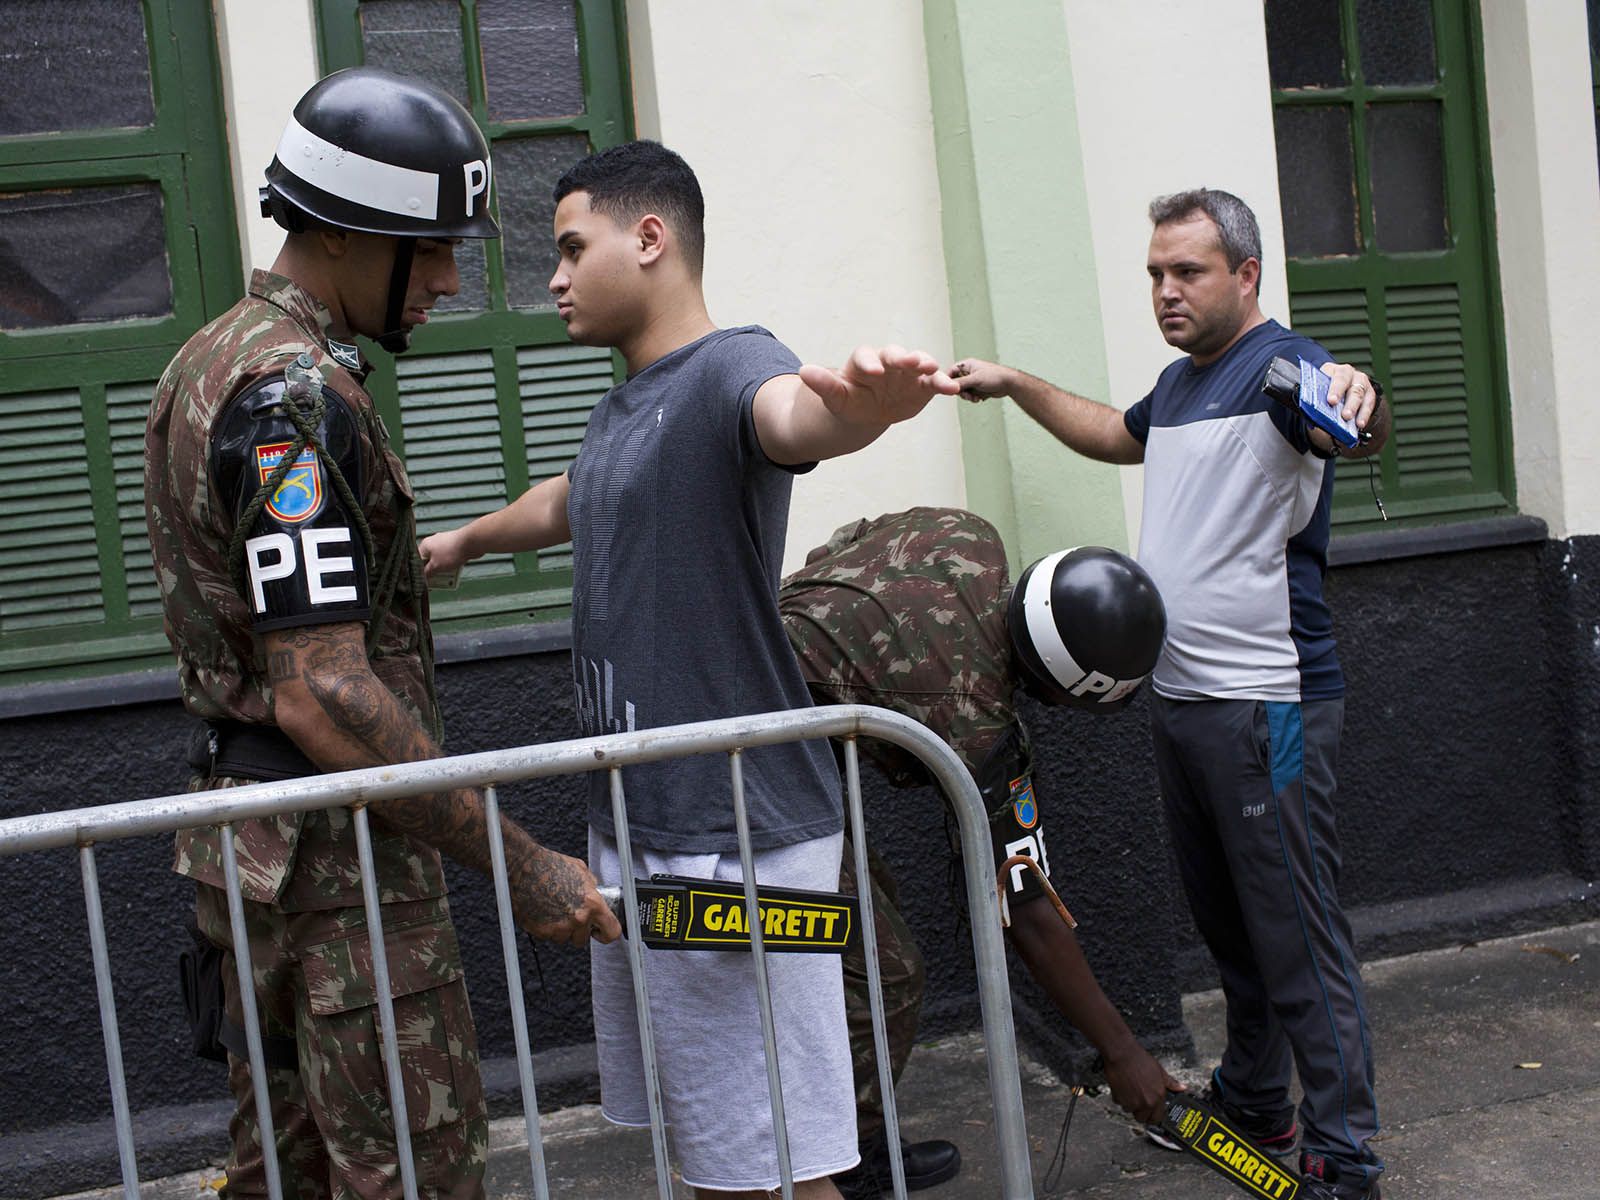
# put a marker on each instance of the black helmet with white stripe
(375, 152)
(1087, 625)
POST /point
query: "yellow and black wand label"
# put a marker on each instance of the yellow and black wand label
(679, 913)
(1227, 1151)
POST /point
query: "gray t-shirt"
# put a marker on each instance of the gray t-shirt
(678, 524)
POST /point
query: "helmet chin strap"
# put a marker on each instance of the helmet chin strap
(398, 338)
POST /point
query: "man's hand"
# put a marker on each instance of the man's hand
(1355, 389)
(878, 387)
(556, 899)
(535, 520)
(1139, 1084)
(819, 412)
(443, 553)
(981, 380)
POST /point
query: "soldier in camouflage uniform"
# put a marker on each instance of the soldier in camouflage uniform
(909, 612)
(285, 546)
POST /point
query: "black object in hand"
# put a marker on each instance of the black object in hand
(1282, 382)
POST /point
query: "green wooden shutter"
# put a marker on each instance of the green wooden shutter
(119, 208)
(127, 406)
(1387, 221)
(1428, 366)
(452, 426)
(49, 561)
(558, 386)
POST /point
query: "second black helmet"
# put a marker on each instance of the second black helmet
(1087, 625)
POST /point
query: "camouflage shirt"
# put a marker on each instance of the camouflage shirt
(301, 862)
(908, 611)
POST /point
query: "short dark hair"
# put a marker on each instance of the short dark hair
(635, 178)
(1237, 230)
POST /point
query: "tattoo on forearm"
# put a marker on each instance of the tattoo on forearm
(553, 883)
(333, 664)
(359, 705)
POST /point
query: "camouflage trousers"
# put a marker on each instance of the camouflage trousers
(331, 1118)
(900, 970)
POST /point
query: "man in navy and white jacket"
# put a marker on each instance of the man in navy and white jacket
(1248, 697)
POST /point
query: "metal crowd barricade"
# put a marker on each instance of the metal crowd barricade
(83, 828)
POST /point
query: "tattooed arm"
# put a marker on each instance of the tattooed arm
(340, 714)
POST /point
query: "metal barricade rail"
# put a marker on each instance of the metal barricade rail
(83, 828)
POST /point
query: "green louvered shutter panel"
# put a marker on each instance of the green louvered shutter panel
(49, 560)
(1428, 365)
(451, 420)
(559, 385)
(133, 178)
(127, 406)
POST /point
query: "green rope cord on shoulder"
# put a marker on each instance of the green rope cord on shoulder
(303, 404)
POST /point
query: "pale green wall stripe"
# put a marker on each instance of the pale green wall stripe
(1020, 260)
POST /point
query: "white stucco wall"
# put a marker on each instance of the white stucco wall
(1171, 95)
(810, 126)
(268, 59)
(1547, 218)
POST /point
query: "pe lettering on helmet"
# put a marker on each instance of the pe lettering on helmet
(475, 180)
(313, 553)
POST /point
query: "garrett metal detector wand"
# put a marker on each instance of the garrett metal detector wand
(680, 913)
(1208, 1136)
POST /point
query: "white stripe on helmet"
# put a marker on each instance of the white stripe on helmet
(1042, 630)
(356, 178)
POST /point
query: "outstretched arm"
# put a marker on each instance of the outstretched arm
(1052, 955)
(534, 520)
(341, 715)
(824, 412)
(1093, 429)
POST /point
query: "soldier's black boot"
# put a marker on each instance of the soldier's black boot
(926, 1164)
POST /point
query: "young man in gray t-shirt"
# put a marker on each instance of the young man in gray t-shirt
(676, 507)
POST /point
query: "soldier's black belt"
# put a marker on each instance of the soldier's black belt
(680, 913)
(1210, 1137)
(261, 752)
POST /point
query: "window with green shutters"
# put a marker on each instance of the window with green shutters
(1385, 193)
(492, 397)
(117, 241)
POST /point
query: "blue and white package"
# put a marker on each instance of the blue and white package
(1315, 408)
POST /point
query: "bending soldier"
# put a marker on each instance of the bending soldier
(915, 612)
(294, 599)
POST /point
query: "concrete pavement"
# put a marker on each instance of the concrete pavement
(1488, 1059)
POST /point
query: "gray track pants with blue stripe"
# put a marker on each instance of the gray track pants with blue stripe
(1249, 793)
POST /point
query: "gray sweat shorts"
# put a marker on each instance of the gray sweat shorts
(707, 1029)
